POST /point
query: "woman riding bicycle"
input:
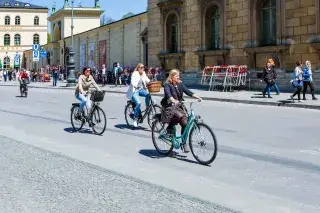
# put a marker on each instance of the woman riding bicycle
(173, 113)
(85, 81)
(139, 81)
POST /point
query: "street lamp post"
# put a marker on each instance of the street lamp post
(71, 68)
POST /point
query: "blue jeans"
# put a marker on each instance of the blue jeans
(268, 88)
(83, 102)
(136, 100)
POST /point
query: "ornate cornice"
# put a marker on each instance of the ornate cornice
(166, 4)
(212, 53)
(267, 49)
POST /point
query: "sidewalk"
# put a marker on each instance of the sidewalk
(247, 97)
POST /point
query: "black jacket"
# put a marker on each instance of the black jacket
(175, 91)
(269, 75)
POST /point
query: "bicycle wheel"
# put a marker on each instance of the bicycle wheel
(160, 135)
(155, 109)
(98, 117)
(128, 112)
(202, 143)
(77, 121)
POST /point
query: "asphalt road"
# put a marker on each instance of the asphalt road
(268, 160)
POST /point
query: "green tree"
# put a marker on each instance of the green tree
(128, 15)
(48, 38)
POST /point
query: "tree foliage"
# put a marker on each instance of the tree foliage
(105, 20)
(128, 15)
(48, 38)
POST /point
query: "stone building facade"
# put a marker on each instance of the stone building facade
(21, 26)
(121, 41)
(191, 34)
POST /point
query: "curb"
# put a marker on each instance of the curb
(227, 100)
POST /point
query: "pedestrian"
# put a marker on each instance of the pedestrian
(308, 81)
(104, 75)
(269, 76)
(10, 75)
(275, 86)
(5, 74)
(55, 76)
(297, 80)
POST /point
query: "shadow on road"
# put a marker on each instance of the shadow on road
(83, 131)
(283, 102)
(152, 153)
(125, 126)
(19, 96)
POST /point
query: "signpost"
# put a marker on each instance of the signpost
(16, 63)
(36, 52)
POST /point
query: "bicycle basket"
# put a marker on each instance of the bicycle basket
(97, 96)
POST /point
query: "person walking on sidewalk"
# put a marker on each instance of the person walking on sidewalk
(269, 76)
(55, 76)
(307, 81)
(297, 80)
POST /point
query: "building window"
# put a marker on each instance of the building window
(36, 39)
(17, 20)
(17, 39)
(212, 27)
(268, 31)
(7, 20)
(6, 41)
(36, 20)
(172, 31)
(6, 63)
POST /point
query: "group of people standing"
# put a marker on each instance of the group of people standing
(302, 79)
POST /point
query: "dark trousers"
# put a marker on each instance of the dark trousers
(298, 92)
(305, 87)
(55, 79)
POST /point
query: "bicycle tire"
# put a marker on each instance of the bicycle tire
(213, 157)
(150, 116)
(126, 114)
(101, 114)
(72, 122)
(153, 131)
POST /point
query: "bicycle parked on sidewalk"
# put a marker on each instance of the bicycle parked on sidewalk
(193, 128)
(148, 113)
(94, 117)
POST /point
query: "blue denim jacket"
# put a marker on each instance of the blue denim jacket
(306, 74)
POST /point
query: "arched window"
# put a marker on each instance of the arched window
(268, 30)
(17, 39)
(36, 39)
(212, 26)
(7, 20)
(172, 31)
(6, 40)
(6, 62)
(36, 20)
(17, 20)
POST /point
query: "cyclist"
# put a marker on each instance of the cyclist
(139, 81)
(173, 113)
(84, 82)
(23, 78)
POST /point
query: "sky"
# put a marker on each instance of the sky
(114, 9)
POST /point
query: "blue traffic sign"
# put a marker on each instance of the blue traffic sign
(36, 47)
(36, 54)
(43, 53)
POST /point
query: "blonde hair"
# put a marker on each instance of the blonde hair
(271, 61)
(171, 74)
(308, 62)
(138, 66)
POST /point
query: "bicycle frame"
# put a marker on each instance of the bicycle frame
(178, 140)
(146, 111)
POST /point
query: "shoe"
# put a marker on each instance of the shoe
(304, 98)
(135, 123)
(185, 148)
(314, 98)
(264, 94)
(291, 97)
(269, 97)
(277, 93)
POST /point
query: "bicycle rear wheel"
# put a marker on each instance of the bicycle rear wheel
(201, 142)
(128, 112)
(159, 137)
(155, 109)
(98, 117)
(77, 121)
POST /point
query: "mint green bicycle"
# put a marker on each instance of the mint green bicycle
(195, 128)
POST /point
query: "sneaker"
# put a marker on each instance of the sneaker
(135, 123)
(314, 98)
(269, 97)
(185, 148)
(291, 97)
(277, 93)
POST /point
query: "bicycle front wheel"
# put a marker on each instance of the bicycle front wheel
(128, 114)
(202, 140)
(155, 109)
(98, 121)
